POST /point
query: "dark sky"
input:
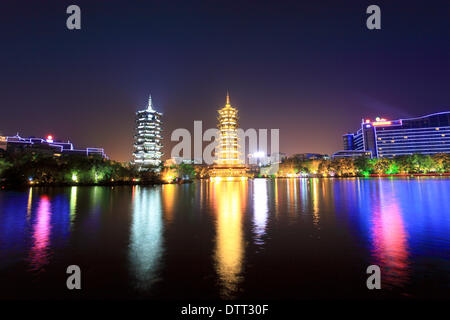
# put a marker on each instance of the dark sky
(310, 68)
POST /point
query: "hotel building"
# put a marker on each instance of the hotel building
(383, 138)
(147, 140)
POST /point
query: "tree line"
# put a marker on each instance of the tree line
(41, 169)
(405, 164)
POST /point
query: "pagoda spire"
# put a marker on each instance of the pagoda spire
(228, 99)
(150, 103)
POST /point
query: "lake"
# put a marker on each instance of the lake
(287, 238)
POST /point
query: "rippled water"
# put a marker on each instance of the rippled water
(292, 238)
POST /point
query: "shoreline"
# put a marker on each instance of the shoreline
(114, 184)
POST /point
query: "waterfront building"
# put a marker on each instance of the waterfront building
(3, 142)
(261, 159)
(383, 138)
(18, 145)
(147, 138)
(228, 162)
(277, 157)
(177, 161)
(351, 154)
(310, 156)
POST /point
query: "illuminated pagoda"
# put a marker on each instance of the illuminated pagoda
(147, 140)
(228, 164)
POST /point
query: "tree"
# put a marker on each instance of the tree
(4, 165)
(346, 167)
(363, 165)
(185, 171)
(404, 164)
(381, 165)
(440, 162)
(324, 167)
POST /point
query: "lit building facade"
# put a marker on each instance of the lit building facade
(228, 163)
(49, 146)
(383, 138)
(3, 142)
(228, 148)
(310, 156)
(148, 139)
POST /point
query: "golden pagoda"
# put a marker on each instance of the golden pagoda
(228, 165)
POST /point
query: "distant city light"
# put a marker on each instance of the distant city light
(169, 178)
(382, 123)
(49, 138)
(258, 154)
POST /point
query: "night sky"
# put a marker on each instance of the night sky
(310, 68)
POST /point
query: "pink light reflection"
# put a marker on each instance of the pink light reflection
(41, 235)
(390, 245)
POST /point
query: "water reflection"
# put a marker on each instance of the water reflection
(291, 192)
(260, 208)
(169, 192)
(402, 225)
(390, 246)
(73, 204)
(315, 200)
(29, 203)
(145, 249)
(312, 198)
(229, 199)
(39, 254)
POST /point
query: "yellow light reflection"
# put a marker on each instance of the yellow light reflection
(29, 203)
(169, 200)
(292, 199)
(73, 204)
(229, 200)
(315, 200)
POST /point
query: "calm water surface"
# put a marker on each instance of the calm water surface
(293, 238)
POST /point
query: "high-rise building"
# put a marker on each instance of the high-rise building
(147, 139)
(228, 163)
(389, 138)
